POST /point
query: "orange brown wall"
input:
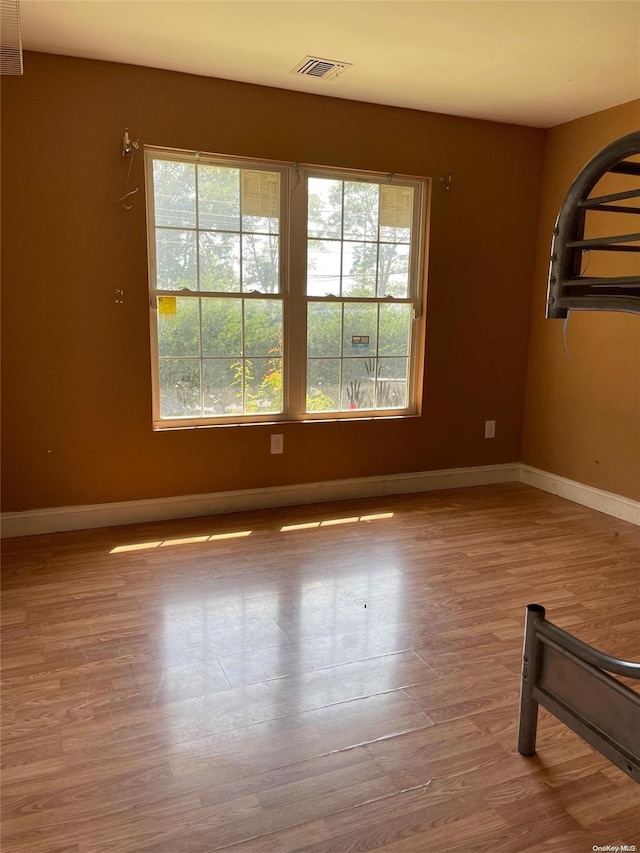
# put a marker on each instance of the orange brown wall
(583, 400)
(76, 364)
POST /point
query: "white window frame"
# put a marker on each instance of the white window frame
(292, 292)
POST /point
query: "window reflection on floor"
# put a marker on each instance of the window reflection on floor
(309, 645)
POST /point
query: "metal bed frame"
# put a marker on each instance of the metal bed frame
(568, 289)
(571, 680)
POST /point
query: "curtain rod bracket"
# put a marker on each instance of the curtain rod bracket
(446, 181)
(128, 144)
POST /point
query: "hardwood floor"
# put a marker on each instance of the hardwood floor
(327, 679)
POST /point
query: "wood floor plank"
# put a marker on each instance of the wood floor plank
(331, 679)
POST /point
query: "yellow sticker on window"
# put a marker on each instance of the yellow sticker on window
(167, 306)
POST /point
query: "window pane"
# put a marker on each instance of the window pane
(262, 327)
(323, 384)
(219, 198)
(260, 263)
(176, 260)
(393, 270)
(222, 387)
(358, 378)
(260, 200)
(219, 262)
(324, 329)
(392, 383)
(263, 385)
(324, 208)
(180, 388)
(395, 235)
(360, 211)
(178, 327)
(221, 327)
(261, 225)
(174, 192)
(359, 261)
(394, 330)
(323, 267)
(360, 329)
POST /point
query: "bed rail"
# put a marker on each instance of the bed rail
(568, 288)
(571, 680)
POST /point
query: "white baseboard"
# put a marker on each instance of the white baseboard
(608, 502)
(55, 519)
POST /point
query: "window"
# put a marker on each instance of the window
(281, 292)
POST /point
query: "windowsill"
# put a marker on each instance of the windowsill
(288, 422)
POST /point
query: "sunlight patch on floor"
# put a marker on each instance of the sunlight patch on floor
(189, 540)
(331, 522)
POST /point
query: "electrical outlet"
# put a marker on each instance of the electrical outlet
(277, 443)
(489, 429)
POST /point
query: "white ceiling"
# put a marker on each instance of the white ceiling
(531, 62)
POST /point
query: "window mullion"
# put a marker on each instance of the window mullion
(342, 357)
(377, 359)
(153, 282)
(201, 349)
(341, 241)
(296, 315)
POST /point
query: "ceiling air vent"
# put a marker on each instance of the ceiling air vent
(313, 66)
(10, 40)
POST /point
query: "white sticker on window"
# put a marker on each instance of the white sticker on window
(396, 206)
(360, 341)
(260, 193)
